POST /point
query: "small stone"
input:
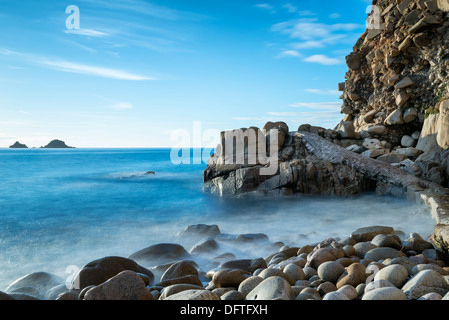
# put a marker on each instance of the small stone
(349, 291)
(376, 284)
(326, 287)
(353, 275)
(194, 295)
(330, 271)
(409, 152)
(322, 255)
(233, 295)
(335, 295)
(176, 288)
(392, 157)
(395, 274)
(383, 253)
(431, 296)
(416, 243)
(424, 282)
(410, 115)
(404, 83)
(180, 269)
(229, 277)
(395, 118)
(249, 284)
(272, 288)
(368, 233)
(377, 130)
(386, 293)
(361, 248)
(294, 272)
(408, 141)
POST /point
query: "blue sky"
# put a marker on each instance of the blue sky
(137, 70)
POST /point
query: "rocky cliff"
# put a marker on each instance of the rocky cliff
(397, 78)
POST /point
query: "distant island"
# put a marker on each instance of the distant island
(57, 144)
(18, 145)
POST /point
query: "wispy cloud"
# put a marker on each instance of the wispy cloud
(323, 59)
(115, 104)
(290, 8)
(266, 7)
(326, 92)
(67, 66)
(318, 105)
(73, 67)
(289, 53)
(87, 32)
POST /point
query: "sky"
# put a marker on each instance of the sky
(138, 73)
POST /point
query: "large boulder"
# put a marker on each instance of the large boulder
(160, 253)
(98, 271)
(127, 285)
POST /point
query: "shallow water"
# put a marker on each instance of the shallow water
(61, 208)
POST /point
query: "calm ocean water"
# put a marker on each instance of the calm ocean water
(71, 206)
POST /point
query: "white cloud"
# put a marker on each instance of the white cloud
(334, 15)
(326, 92)
(323, 59)
(289, 53)
(72, 67)
(87, 32)
(115, 104)
(290, 8)
(265, 6)
(318, 105)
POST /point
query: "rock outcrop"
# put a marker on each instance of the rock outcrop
(56, 144)
(18, 145)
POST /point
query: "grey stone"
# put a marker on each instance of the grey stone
(386, 293)
(395, 274)
(272, 288)
(425, 281)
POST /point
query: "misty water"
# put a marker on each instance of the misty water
(63, 208)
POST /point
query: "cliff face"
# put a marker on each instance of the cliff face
(397, 81)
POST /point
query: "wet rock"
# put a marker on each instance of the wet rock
(272, 288)
(127, 285)
(176, 288)
(194, 295)
(98, 271)
(368, 233)
(230, 277)
(180, 269)
(160, 253)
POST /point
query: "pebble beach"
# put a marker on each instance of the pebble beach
(372, 263)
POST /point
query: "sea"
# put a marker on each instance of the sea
(62, 208)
